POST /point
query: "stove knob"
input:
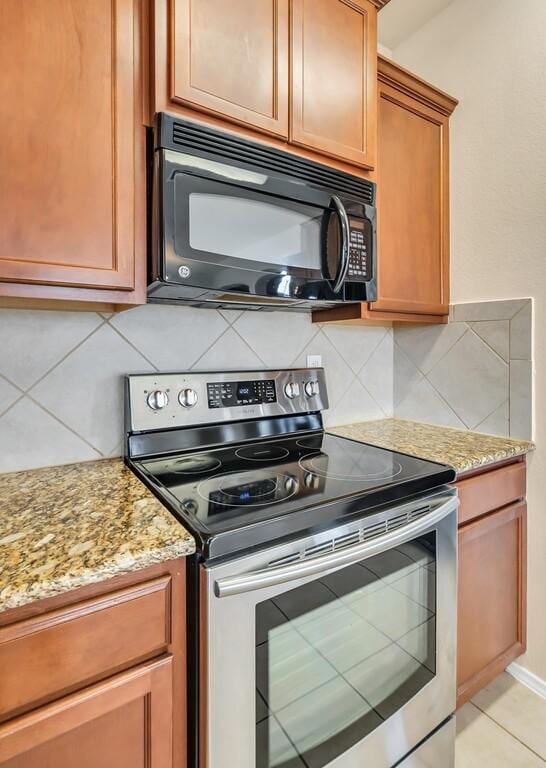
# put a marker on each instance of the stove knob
(311, 388)
(290, 484)
(292, 389)
(309, 480)
(187, 398)
(157, 399)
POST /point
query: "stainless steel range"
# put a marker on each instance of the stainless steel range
(322, 598)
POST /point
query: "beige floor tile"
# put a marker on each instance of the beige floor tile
(481, 743)
(517, 709)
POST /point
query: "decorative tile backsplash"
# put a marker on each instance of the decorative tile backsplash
(61, 372)
(474, 373)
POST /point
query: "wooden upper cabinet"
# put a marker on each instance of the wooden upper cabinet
(72, 180)
(333, 78)
(229, 59)
(413, 194)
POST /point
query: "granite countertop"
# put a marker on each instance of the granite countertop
(461, 449)
(64, 527)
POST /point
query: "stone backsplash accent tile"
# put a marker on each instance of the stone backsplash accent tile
(474, 373)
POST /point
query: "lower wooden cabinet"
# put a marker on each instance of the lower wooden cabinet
(125, 722)
(492, 583)
(96, 678)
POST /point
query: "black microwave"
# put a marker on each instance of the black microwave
(235, 222)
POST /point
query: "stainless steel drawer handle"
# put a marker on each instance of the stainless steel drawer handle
(248, 582)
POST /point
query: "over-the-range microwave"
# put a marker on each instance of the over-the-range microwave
(235, 222)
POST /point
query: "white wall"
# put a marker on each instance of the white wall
(491, 55)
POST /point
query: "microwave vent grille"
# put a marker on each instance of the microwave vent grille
(202, 139)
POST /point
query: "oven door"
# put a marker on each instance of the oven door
(337, 650)
(235, 231)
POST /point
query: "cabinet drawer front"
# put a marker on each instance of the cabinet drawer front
(47, 656)
(491, 490)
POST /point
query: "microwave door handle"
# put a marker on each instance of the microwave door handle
(268, 577)
(344, 252)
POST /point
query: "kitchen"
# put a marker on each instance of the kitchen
(170, 172)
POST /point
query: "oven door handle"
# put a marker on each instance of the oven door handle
(344, 252)
(269, 577)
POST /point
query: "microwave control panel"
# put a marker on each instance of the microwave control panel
(359, 258)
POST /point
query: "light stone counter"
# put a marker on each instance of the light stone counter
(461, 449)
(64, 527)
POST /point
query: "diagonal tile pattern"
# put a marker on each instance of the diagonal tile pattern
(454, 377)
(85, 390)
(474, 373)
(61, 372)
(34, 341)
(8, 394)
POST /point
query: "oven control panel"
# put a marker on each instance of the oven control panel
(171, 400)
(229, 394)
(359, 258)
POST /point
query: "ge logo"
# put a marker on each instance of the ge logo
(184, 271)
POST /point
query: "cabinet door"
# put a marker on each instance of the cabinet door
(334, 69)
(231, 59)
(125, 722)
(413, 206)
(72, 184)
(492, 596)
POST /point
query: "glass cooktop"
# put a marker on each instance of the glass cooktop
(235, 496)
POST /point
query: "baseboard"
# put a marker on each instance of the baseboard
(528, 679)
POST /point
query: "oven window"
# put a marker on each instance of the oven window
(341, 654)
(255, 230)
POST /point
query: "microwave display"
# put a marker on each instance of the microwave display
(359, 258)
(227, 394)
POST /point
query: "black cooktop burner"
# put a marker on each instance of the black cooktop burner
(353, 465)
(238, 490)
(262, 452)
(194, 464)
(240, 495)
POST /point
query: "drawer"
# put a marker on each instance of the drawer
(491, 490)
(47, 656)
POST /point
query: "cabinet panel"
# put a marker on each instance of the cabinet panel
(231, 59)
(491, 598)
(68, 648)
(491, 490)
(413, 234)
(334, 108)
(126, 722)
(72, 150)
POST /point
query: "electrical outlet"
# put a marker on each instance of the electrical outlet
(314, 361)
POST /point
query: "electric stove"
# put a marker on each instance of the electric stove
(242, 458)
(321, 599)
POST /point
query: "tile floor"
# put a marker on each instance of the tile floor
(504, 726)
